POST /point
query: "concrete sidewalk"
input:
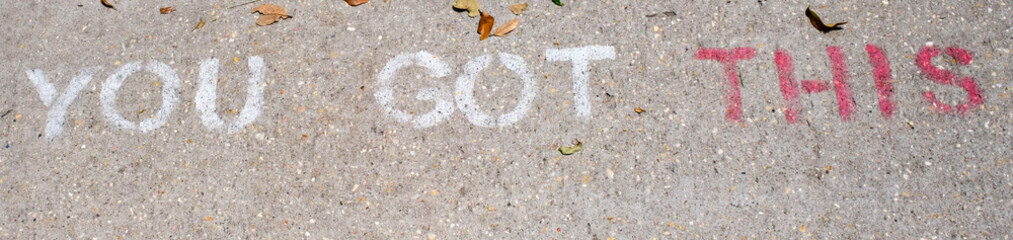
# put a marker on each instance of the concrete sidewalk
(357, 122)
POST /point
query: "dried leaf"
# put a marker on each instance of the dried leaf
(485, 25)
(356, 2)
(271, 14)
(818, 23)
(199, 25)
(166, 10)
(506, 27)
(470, 5)
(107, 4)
(638, 110)
(558, 2)
(268, 19)
(270, 9)
(519, 8)
(571, 150)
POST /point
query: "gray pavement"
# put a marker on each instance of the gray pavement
(356, 122)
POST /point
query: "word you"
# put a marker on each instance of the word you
(580, 58)
(206, 99)
(845, 98)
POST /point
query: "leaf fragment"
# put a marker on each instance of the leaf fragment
(638, 110)
(558, 2)
(571, 150)
(485, 25)
(107, 4)
(519, 8)
(166, 10)
(818, 23)
(356, 2)
(470, 5)
(199, 25)
(506, 27)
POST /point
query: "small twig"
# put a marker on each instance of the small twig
(895, 81)
(244, 4)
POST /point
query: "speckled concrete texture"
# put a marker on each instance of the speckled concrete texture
(324, 160)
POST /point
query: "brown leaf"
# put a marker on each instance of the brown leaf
(166, 10)
(107, 4)
(270, 9)
(519, 8)
(268, 19)
(638, 110)
(356, 2)
(818, 23)
(485, 25)
(271, 14)
(506, 27)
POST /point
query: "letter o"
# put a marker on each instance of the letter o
(466, 91)
(170, 95)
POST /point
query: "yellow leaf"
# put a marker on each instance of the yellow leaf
(571, 150)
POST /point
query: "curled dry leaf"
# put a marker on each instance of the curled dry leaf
(506, 27)
(107, 4)
(356, 2)
(166, 10)
(271, 13)
(519, 8)
(818, 23)
(470, 5)
(485, 25)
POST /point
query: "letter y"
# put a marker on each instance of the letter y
(47, 92)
